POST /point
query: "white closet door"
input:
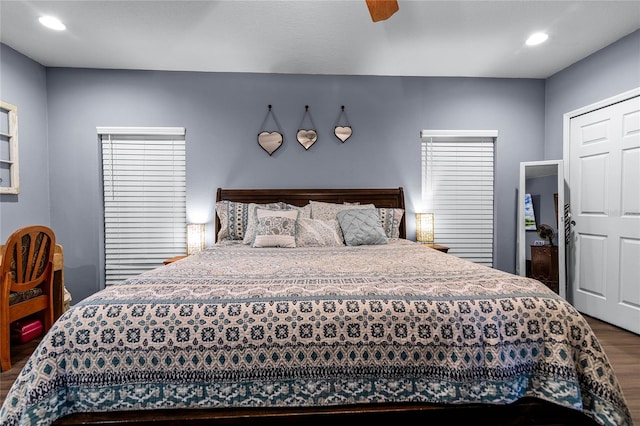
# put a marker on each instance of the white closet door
(605, 208)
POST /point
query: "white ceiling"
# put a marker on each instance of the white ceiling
(424, 38)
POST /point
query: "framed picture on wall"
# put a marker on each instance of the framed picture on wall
(529, 214)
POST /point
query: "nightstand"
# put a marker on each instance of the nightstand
(173, 259)
(544, 265)
(438, 247)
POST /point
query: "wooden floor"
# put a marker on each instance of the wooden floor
(623, 350)
(19, 356)
(621, 347)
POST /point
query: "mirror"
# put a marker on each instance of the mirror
(307, 138)
(270, 141)
(343, 133)
(541, 182)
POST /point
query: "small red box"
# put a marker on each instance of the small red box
(25, 330)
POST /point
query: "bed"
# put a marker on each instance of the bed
(365, 330)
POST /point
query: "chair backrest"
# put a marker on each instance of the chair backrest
(28, 258)
(27, 263)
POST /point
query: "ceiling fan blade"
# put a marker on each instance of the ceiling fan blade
(382, 9)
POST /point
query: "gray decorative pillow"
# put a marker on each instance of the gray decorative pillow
(327, 211)
(275, 228)
(361, 227)
(390, 220)
(234, 218)
(318, 233)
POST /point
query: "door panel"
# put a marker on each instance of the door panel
(630, 272)
(630, 177)
(594, 170)
(592, 275)
(604, 181)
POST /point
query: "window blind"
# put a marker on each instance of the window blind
(144, 192)
(458, 187)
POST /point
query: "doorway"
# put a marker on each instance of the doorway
(602, 170)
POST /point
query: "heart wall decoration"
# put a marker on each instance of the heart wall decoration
(270, 141)
(343, 131)
(307, 137)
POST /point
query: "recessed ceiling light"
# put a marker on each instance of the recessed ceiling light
(537, 38)
(53, 23)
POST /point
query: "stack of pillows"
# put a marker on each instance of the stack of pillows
(314, 225)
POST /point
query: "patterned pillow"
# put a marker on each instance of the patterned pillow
(361, 227)
(305, 211)
(234, 219)
(390, 220)
(318, 233)
(327, 211)
(250, 231)
(275, 228)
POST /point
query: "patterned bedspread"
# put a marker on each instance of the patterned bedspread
(235, 326)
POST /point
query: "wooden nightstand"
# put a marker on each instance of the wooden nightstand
(173, 259)
(544, 265)
(438, 247)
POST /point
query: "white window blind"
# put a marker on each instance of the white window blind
(458, 187)
(144, 180)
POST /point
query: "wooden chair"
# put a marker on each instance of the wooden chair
(26, 282)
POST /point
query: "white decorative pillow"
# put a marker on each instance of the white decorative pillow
(318, 233)
(327, 211)
(305, 211)
(361, 227)
(275, 228)
(390, 220)
(250, 231)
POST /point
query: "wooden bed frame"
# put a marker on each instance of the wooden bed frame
(525, 412)
(528, 411)
(380, 197)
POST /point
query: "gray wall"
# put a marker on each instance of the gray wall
(223, 113)
(608, 72)
(23, 84)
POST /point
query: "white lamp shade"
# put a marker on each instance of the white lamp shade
(424, 227)
(195, 237)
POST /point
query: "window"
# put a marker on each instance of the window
(144, 180)
(9, 173)
(458, 187)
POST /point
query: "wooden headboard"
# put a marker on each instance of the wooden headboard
(380, 197)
